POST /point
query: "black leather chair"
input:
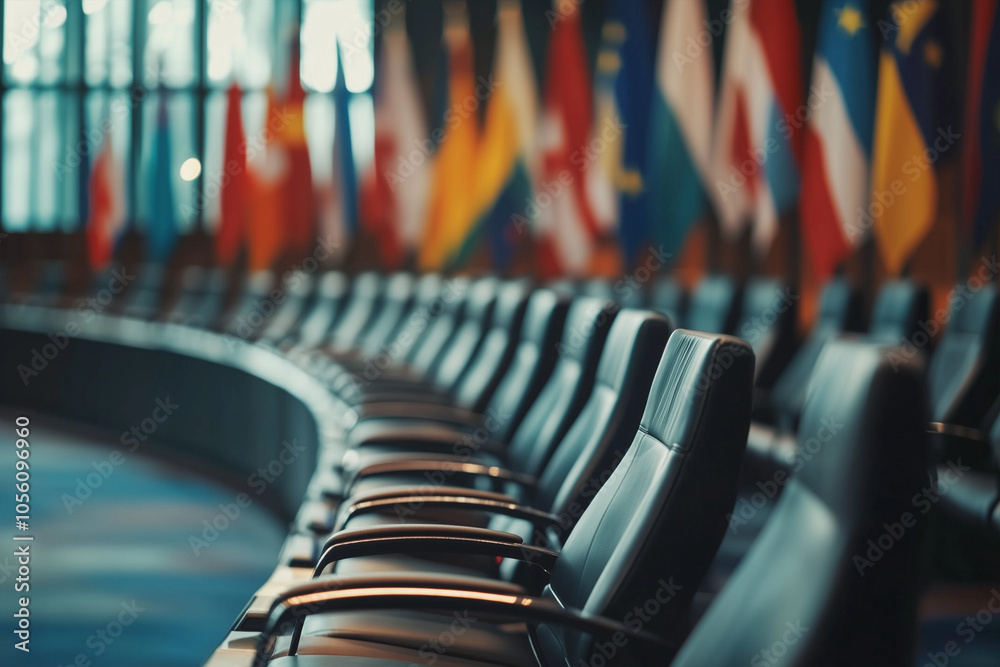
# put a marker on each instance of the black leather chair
(298, 291)
(202, 298)
(360, 310)
(813, 590)
(144, 299)
(553, 493)
(767, 322)
(715, 305)
(668, 297)
(332, 293)
(678, 478)
(899, 309)
(964, 374)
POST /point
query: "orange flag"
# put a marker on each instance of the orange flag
(233, 198)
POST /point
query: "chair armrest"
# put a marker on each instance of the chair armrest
(422, 538)
(432, 593)
(448, 414)
(452, 466)
(470, 500)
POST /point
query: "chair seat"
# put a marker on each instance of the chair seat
(973, 497)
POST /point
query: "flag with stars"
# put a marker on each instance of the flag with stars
(981, 159)
(912, 131)
(838, 138)
(623, 97)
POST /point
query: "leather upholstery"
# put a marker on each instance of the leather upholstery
(366, 296)
(299, 290)
(669, 298)
(840, 306)
(331, 294)
(767, 322)
(714, 305)
(397, 298)
(901, 305)
(811, 580)
(964, 373)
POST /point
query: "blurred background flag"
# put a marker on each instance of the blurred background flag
(339, 214)
(566, 225)
(680, 126)
(235, 186)
(161, 234)
(298, 212)
(267, 219)
(450, 213)
(506, 155)
(981, 159)
(622, 99)
(106, 220)
(838, 137)
(777, 112)
(733, 191)
(910, 117)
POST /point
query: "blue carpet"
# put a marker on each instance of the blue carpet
(114, 580)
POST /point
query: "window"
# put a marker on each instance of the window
(78, 73)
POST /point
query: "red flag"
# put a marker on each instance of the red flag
(107, 210)
(568, 225)
(297, 191)
(236, 190)
(266, 220)
(377, 204)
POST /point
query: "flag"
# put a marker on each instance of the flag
(451, 208)
(757, 155)
(235, 193)
(338, 200)
(298, 213)
(106, 220)
(505, 160)
(838, 137)
(566, 222)
(623, 95)
(266, 170)
(680, 126)
(909, 118)
(161, 233)
(981, 159)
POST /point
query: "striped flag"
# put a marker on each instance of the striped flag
(838, 138)
(106, 220)
(506, 155)
(981, 159)
(233, 197)
(911, 126)
(451, 211)
(680, 129)
(757, 155)
(566, 223)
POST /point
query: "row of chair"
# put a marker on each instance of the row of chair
(511, 455)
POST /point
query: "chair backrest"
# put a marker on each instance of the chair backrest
(660, 517)
(144, 297)
(531, 363)
(436, 324)
(464, 344)
(496, 350)
(209, 307)
(767, 322)
(668, 297)
(398, 296)
(579, 350)
(839, 311)
(834, 572)
(331, 293)
(900, 306)
(605, 427)
(366, 295)
(964, 373)
(298, 290)
(253, 307)
(714, 305)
